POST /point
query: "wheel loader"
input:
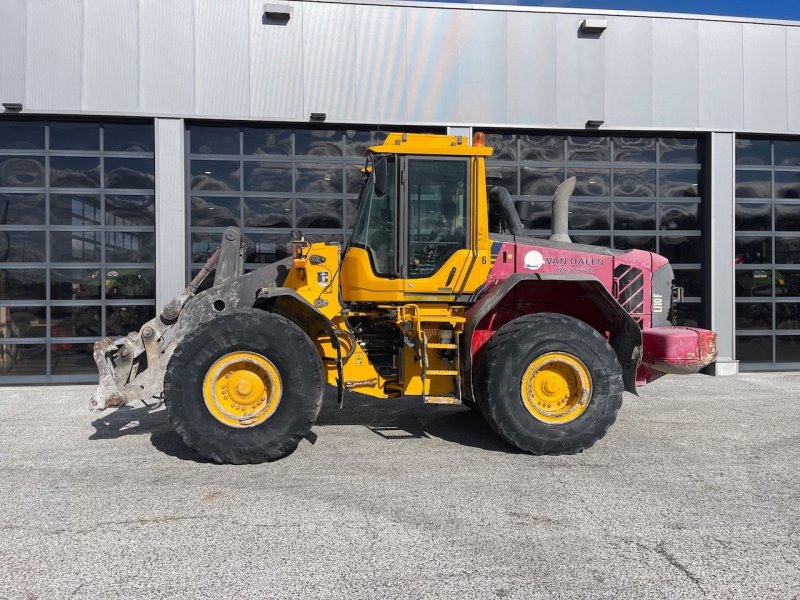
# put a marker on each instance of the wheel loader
(438, 293)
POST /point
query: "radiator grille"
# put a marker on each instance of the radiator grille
(629, 284)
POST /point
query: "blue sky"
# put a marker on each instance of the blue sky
(766, 9)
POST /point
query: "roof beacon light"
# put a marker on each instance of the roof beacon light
(479, 139)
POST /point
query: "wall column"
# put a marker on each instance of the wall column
(170, 210)
(722, 250)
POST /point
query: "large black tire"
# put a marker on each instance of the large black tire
(293, 355)
(503, 363)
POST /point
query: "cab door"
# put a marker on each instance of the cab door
(436, 242)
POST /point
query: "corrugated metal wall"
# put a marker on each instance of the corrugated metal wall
(396, 64)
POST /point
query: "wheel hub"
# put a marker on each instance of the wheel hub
(242, 389)
(556, 388)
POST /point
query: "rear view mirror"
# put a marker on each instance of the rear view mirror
(380, 177)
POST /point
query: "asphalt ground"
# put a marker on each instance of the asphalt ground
(694, 493)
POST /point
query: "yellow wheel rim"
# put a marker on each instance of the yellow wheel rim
(556, 388)
(242, 389)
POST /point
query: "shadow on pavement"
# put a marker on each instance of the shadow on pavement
(392, 420)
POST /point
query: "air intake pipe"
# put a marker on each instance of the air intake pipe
(501, 199)
(561, 210)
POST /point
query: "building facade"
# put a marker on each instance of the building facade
(135, 131)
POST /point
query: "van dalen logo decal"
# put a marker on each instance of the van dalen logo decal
(534, 260)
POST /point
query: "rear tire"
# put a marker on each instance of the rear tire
(571, 364)
(255, 346)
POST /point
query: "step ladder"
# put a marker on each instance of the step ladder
(454, 373)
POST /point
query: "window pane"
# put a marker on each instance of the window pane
(130, 284)
(635, 182)
(22, 246)
(680, 215)
(75, 172)
(205, 139)
(634, 215)
(591, 182)
(690, 280)
(753, 184)
(215, 175)
(753, 250)
(75, 284)
(503, 176)
(23, 321)
(318, 142)
(540, 181)
(355, 178)
(203, 246)
(753, 217)
(319, 213)
(787, 217)
(76, 321)
(787, 316)
(214, 211)
(74, 209)
(753, 152)
(690, 314)
(592, 240)
(679, 150)
(755, 349)
(787, 283)
(133, 211)
(128, 137)
(120, 320)
(72, 359)
(267, 212)
(374, 229)
(267, 247)
(634, 149)
(75, 246)
(130, 173)
(753, 316)
(756, 282)
(127, 247)
(588, 148)
(22, 171)
(267, 140)
(504, 147)
(352, 210)
(23, 359)
(787, 153)
(22, 284)
(535, 215)
(23, 135)
(22, 209)
(624, 242)
(679, 183)
(787, 250)
(787, 184)
(74, 136)
(358, 142)
(319, 178)
(589, 215)
(681, 249)
(267, 177)
(787, 348)
(546, 148)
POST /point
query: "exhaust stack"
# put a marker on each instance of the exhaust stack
(561, 210)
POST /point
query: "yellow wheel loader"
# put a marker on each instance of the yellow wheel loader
(438, 294)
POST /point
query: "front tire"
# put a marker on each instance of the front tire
(549, 384)
(244, 387)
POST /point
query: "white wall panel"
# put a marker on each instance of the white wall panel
(329, 57)
(381, 85)
(481, 67)
(721, 75)
(764, 52)
(793, 77)
(628, 73)
(276, 64)
(531, 70)
(12, 51)
(676, 83)
(432, 69)
(53, 49)
(579, 74)
(111, 55)
(166, 38)
(222, 58)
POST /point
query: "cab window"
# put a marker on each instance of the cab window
(377, 217)
(437, 213)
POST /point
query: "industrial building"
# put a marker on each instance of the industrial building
(134, 131)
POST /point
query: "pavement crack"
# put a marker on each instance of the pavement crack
(661, 550)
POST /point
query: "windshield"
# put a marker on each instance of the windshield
(375, 224)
